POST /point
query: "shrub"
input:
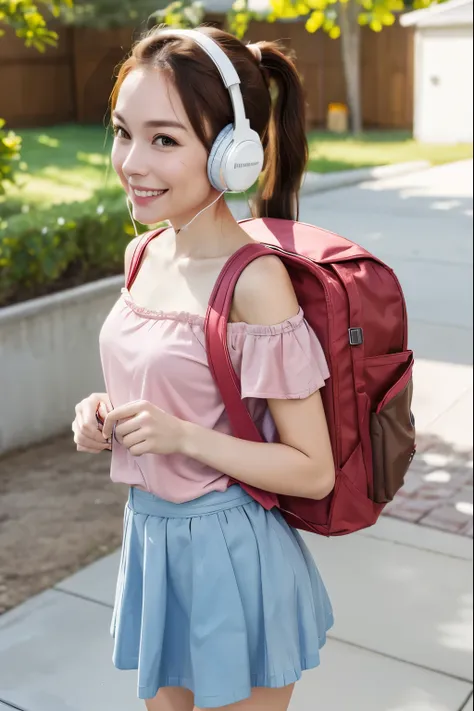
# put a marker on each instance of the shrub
(10, 206)
(42, 251)
(10, 145)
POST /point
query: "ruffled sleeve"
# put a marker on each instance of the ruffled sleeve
(285, 361)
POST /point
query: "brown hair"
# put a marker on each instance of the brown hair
(273, 98)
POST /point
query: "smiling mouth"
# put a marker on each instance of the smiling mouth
(147, 193)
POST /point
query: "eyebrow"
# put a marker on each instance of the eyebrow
(154, 124)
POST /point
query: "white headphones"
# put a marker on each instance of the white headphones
(236, 157)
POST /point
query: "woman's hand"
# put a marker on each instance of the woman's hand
(144, 429)
(87, 434)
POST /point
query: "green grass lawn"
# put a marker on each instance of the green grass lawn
(67, 163)
(330, 153)
(63, 164)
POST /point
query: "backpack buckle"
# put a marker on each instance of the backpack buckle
(356, 336)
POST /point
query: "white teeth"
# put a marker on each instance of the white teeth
(148, 193)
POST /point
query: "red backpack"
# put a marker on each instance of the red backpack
(356, 306)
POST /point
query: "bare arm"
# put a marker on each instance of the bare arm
(301, 464)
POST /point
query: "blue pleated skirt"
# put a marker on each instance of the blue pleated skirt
(217, 596)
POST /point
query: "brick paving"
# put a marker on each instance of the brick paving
(438, 489)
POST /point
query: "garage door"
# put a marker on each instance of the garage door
(444, 111)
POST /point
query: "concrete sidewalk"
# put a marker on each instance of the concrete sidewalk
(402, 592)
(402, 641)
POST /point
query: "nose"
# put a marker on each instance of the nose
(135, 161)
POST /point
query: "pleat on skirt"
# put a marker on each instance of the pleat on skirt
(217, 596)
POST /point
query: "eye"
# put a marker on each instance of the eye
(164, 141)
(120, 132)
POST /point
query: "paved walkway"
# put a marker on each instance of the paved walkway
(402, 591)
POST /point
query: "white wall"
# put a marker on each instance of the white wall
(443, 85)
(49, 360)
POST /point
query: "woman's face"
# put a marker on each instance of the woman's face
(159, 159)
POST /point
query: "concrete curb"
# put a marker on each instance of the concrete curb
(60, 300)
(320, 182)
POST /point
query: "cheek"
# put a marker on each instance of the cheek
(190, 166)
(118, 157)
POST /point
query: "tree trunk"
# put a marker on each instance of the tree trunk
(351, 44)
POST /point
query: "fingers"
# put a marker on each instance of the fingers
(137, 450)
(87, 408)
(105, 402)
(105, 406)
(103, 411)
(87, 421)
(87, 434)
(87, 444)
(126, 427)
(79, 416)
(133, 438)
(121, 413)
(92, 432)
(108, 427)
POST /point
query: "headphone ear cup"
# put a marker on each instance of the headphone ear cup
(243, 163)
(214, 163)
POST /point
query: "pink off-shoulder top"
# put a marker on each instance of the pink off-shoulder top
(161, 357)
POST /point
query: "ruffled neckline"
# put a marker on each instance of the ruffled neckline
(194, 319)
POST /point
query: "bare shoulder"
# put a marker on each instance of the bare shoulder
(264, 293)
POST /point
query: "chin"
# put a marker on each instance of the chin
(148, 216)
(163, 210)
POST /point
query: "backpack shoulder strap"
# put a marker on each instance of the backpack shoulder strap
(215, 328)
(220, 364)
(138, 254)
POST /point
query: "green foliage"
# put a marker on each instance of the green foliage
(10, 206)
(318, 14)
(240, 15)
(10, 145)
(324, 14)
(66, 245)
(28, 21)
(181, 14)
(103, 14)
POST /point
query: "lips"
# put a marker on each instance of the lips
(143, 192)
(144, 197)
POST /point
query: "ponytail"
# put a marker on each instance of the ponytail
(286, 146)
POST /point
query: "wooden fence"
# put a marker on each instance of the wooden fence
(387, 71)
(72, 83)
(36, 89)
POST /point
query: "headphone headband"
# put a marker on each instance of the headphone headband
(219, 57)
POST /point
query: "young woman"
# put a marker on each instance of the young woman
(219, 603)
